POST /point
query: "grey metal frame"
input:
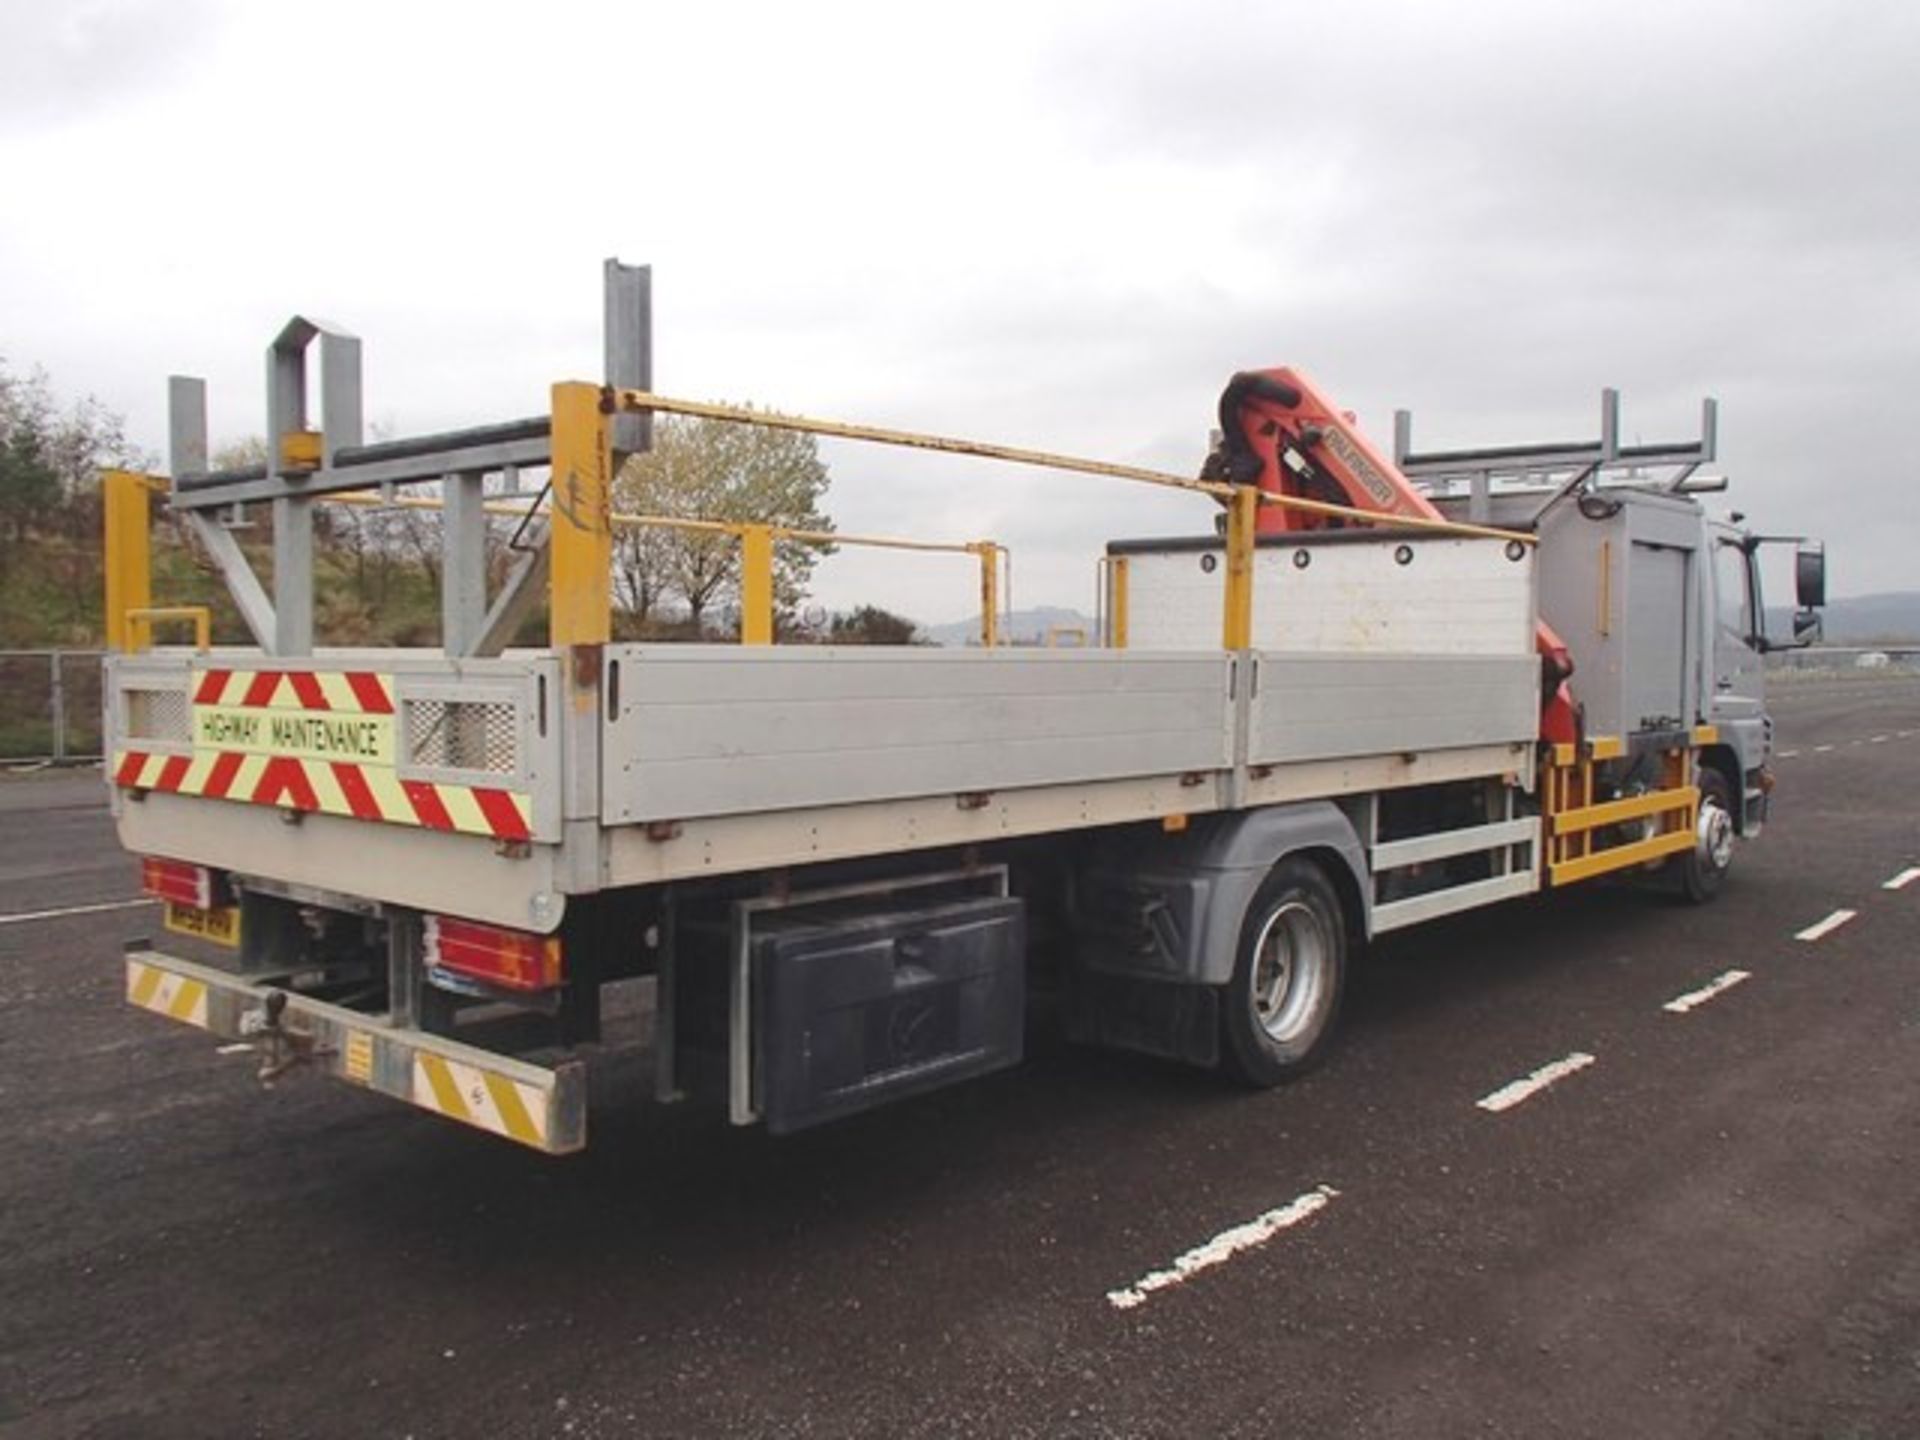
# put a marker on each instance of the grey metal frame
(461, 460)
(1556, 469)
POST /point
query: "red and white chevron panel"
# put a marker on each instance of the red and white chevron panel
(348, 691)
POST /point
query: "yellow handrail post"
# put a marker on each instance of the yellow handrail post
(129, 558)
(1243, 508)
(989, 554)
(200, 615)
(581, 579)
(756, 585)
(1117, 603)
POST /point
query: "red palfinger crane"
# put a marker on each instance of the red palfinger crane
(1280, 432)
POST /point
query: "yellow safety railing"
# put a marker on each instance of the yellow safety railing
(126, 500)
(757, 553)
(580, 578)
(145, 615)
(582, 457)
(1587, 836)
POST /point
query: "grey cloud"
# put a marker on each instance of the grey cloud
(60, 62)
(1490, 213)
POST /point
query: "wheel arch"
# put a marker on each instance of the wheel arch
(1243, 850)
(1347, 885)
(1722, 760)
(1206, 877)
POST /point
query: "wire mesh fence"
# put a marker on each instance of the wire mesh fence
(49, 705)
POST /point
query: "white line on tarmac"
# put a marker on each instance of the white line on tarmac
(1821, 749)
(1824, 928)
(27, 915)
(1224, 1247)
(1508, 1096)
(1903, 879)
(1693, 999)
(1788, 755)
(239, 1047)
(1879, 740)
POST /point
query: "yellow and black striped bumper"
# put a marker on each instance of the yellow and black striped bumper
(543, 1108)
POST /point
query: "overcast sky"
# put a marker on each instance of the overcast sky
(1061, 225)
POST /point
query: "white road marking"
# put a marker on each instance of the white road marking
(1693, 999)
(1879, 740)
(1821, 749)
(24, 916)
(1508, 1096)
(1788, 755)
(1903, 879)
(239, 1047)
(1827, 926)
(1224, 1247)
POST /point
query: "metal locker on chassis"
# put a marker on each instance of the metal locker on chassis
(836, 874)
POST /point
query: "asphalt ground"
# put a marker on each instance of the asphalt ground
(1711, 1228)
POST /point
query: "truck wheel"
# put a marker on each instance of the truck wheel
(1279, 1009)
(1703, 869)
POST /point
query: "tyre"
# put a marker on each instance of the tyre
(1277, 1016)
(1703, 869)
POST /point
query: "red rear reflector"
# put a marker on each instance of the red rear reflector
(509, 958)
(177, 882)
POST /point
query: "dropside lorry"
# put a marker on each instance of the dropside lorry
(1368, 691)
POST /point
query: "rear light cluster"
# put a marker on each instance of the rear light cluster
(180, 883)
(511, 959)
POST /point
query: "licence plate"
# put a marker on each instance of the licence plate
(220, 925)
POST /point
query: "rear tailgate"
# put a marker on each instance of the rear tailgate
(411, 779)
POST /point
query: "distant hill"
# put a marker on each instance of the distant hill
(1023, 627)
(1860, 619)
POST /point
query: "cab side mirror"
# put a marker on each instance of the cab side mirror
(1806, 627)
(1809, 579)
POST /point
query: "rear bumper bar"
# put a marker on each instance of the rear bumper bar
(542, 1108)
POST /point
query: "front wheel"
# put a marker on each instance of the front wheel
(1279, 1010)
(1703, 869)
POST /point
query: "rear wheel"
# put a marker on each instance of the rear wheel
(1279, 1010)
(1703, 869)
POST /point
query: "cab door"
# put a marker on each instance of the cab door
(1739, 685)
(1738, 704)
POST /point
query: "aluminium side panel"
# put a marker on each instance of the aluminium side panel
(1345, 592)
(699, 731)
(1320, 707)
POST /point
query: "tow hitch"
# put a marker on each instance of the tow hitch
(287, 1046)
(541, 1106)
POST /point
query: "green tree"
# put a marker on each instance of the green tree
(29, 485)
(51, 456)
(870, 625)
(712, 470)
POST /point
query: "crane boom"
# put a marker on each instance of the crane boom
(1281, 432)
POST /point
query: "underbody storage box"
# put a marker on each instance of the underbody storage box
(857, 1012)
(855, 1006)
